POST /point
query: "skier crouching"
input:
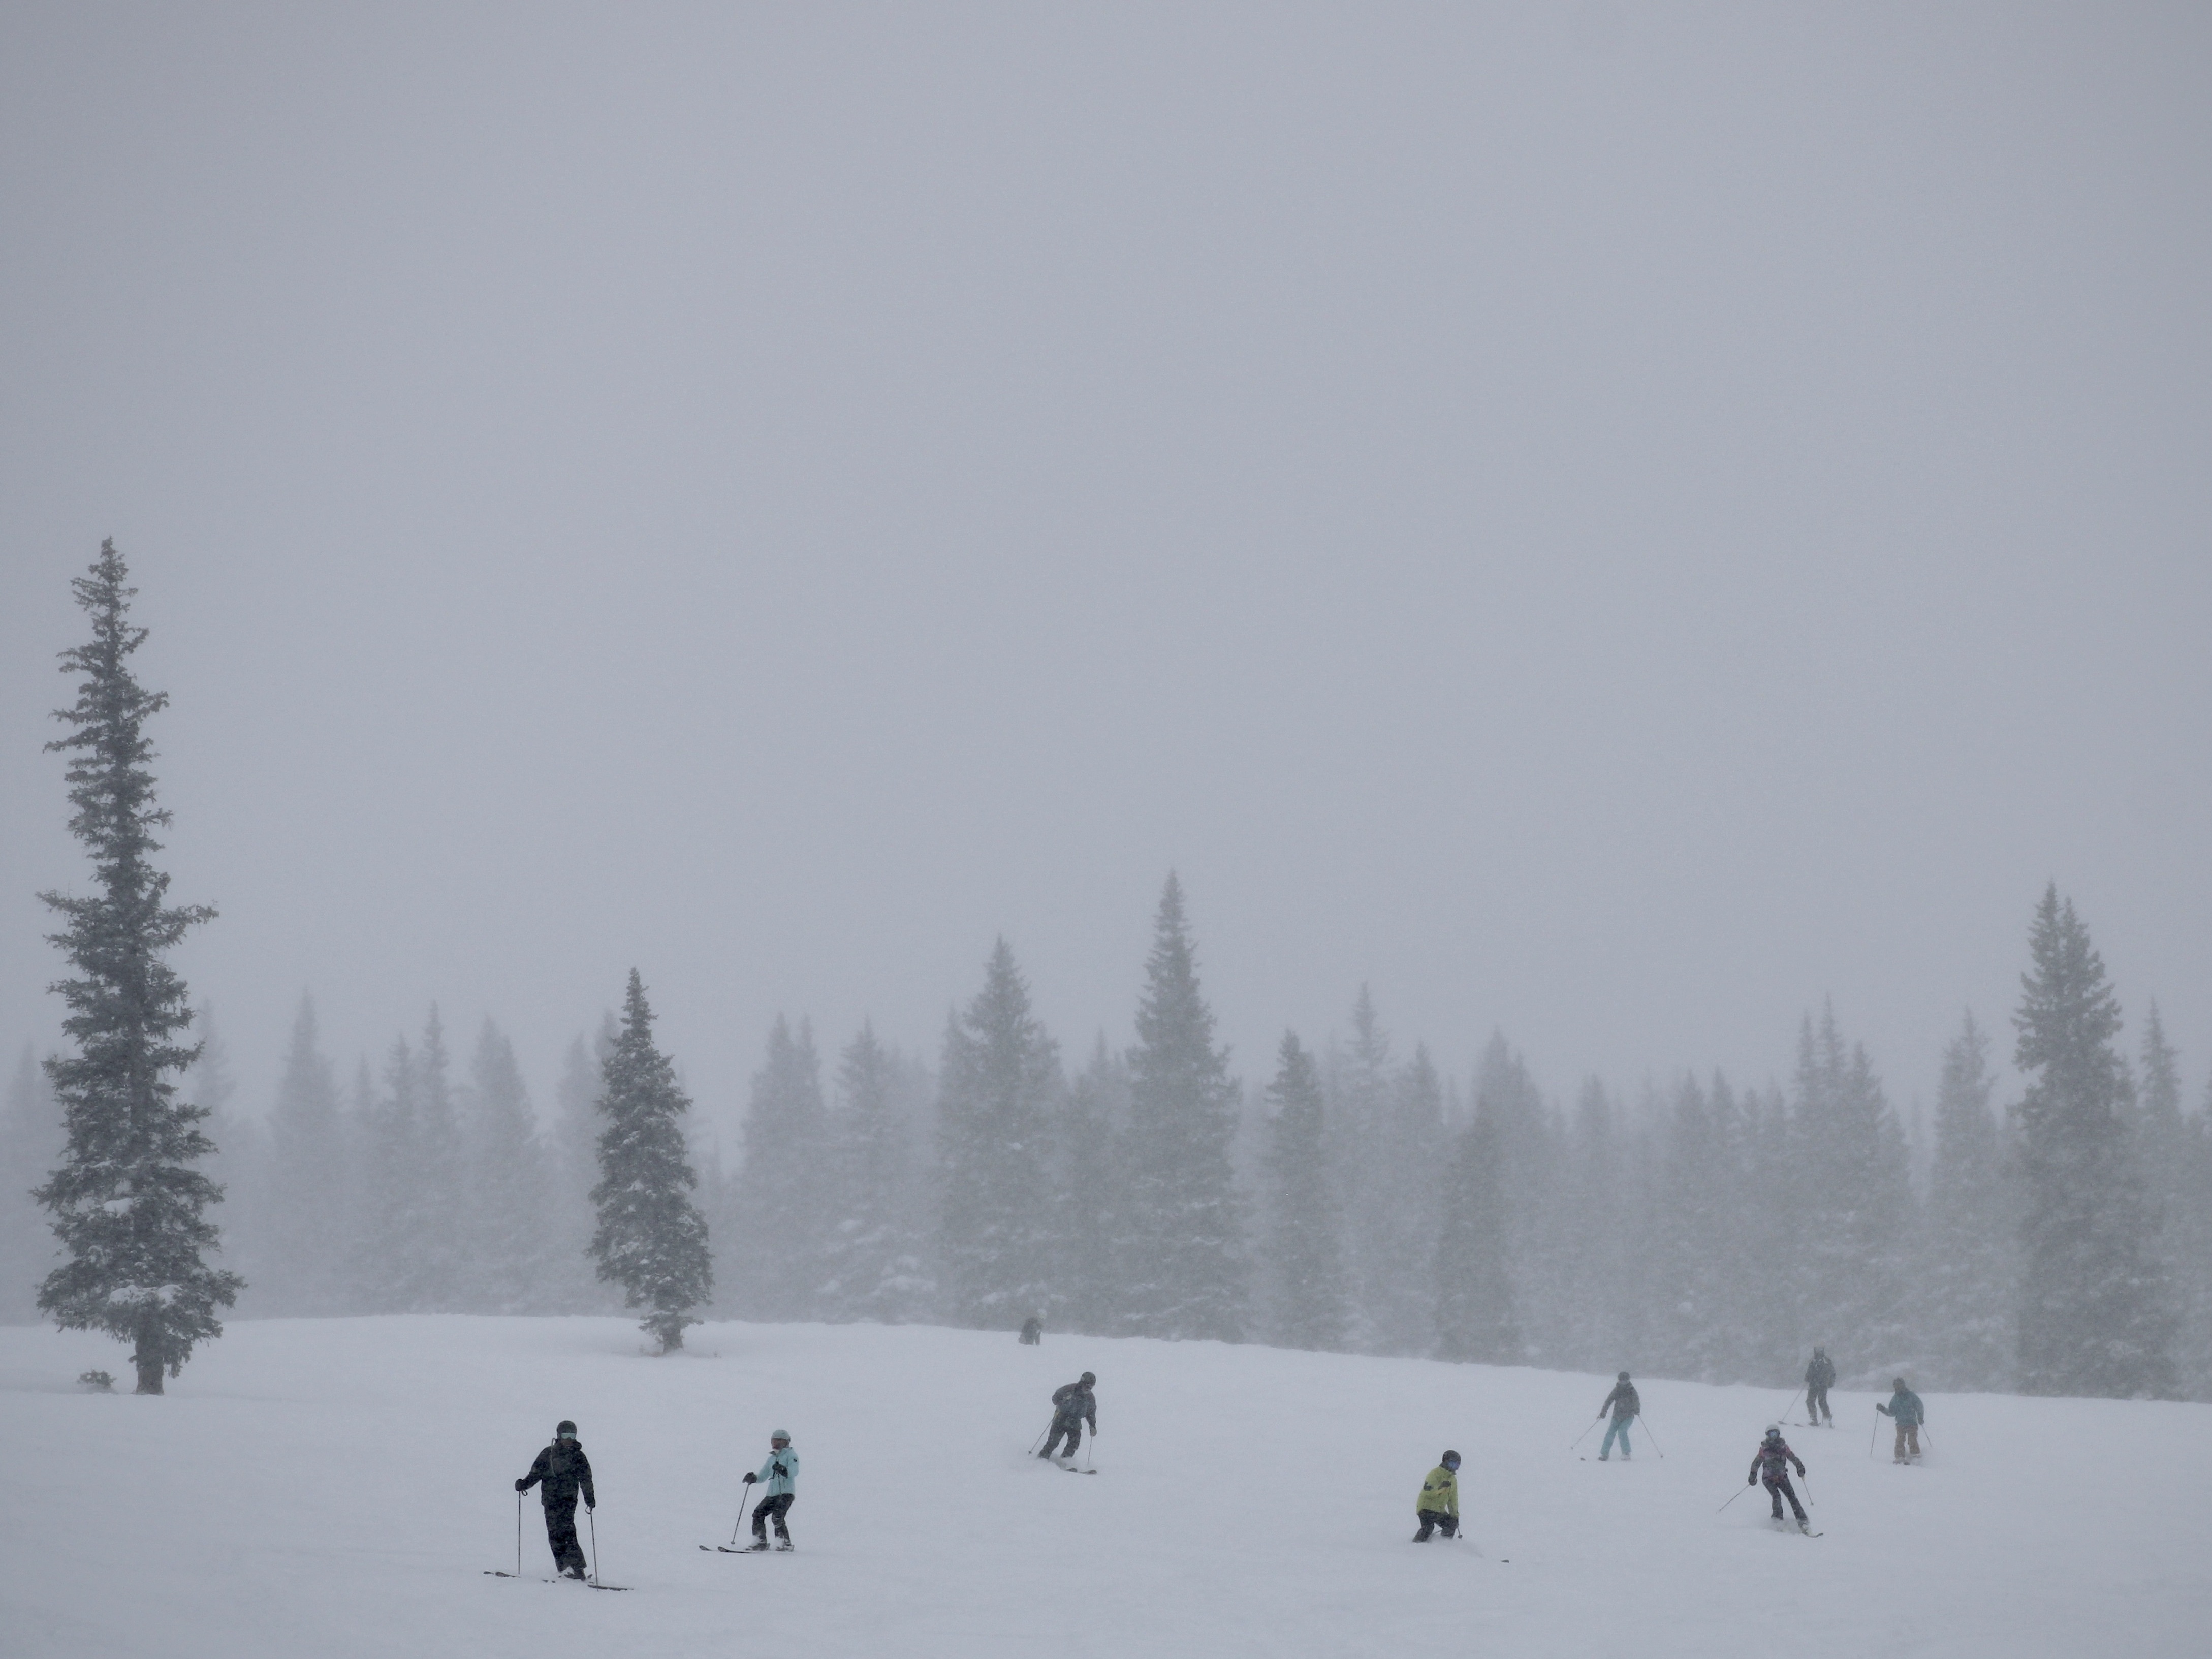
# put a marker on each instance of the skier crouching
(1771, 1461)
(778, 1479)
(1438, 1504)
(565, 1471)
(1072, 1406)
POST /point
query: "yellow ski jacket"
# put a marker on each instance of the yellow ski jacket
(1440, 1492)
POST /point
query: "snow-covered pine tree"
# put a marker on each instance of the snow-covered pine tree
(1304, 1261)
(508, 1232)
(441, 1190)
(650, 1238)
(572, 1283)
(2095, 1316)
(129, 1204)
(776, 1258)
(1600, 1319)
(1090, 1189)
(873, 1257)
(391, 1273)
(1184, 1267)
(30, 1144)
(996, 1096)
(1963, 1292)
(1476, 1314)
(1382, 1274)
(1698, 1221)
(1854, 1200)
(307, 1198)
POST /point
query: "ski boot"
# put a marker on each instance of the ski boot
(783, 1543)
(758, 1546)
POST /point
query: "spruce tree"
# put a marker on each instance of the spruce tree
(777, 1257)
(508, 1235)
(390, 1274)
(129, 1204)
(1306, 1248)
(2095, 1314)
(1475, 1316)
(1371, 1187)
(1184, 1263)
(307, 1199)
(996, 1096)
(1090, 1193)
(570, 1281)
(650, 1238)
(874, 1257)
(1963, 1286)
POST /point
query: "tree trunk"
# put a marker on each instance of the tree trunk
(149, 1374)
(671, 1335)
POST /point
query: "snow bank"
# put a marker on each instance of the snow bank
(329, 1487)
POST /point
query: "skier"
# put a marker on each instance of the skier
(1904, 1407)
(1072, 1406)
(565, 1471)
(1773, 1461)
(1439, 1503)
(780, 1476)
(1820, 1378)
(1624, 1405)
(1032, 1331)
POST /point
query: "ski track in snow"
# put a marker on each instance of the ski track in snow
(339, 1487)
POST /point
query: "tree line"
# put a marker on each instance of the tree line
(1357, 1200)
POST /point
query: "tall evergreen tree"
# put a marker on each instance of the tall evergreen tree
(509, 1237)
(1699, 1227)
(1305, 1249)
(30, 1142)
(441, 1198)
(1090, 1193)
(1476, 1319)
(571, 1284)
(650, 1238)
(2094, 1316)
(306, 1199)
(1964, 1288)
(1184, 1269)
(995, 1096)
(778, 1257)
(1387, 1259)
(129, 1205)
(391, 1273)
(874, 1256)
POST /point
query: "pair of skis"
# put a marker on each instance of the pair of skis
(588, 1583)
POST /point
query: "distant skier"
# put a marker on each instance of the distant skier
(778, 1479)
(1072, 1406)
(1032, 1331)
(1820, 1378)
(1624, 1405)
(565, 1471)
(1906, 1409)
(1439, 1503)
(1771, 1462)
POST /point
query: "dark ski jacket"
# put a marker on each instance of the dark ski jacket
(1622, 1402)
(1072, 1401)
(1773, 1458)
(1905, 1406)
(1032, 1331)
(565, 1470)
(1821, 1373)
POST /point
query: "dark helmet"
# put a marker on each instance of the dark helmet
(1624, 1377)
(1449, 1459)
(1089, 1377)
(564, 1430)
(1898, 1382)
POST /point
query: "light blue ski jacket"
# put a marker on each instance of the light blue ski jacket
(773, 1484)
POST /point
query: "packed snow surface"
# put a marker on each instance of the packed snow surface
(324, 1487)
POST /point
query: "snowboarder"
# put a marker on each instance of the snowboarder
(1032, 1331)
(1773, 1461)
(1906, 1409)
(1820, 1378)
(1439, 1503)
(779, 1480)
(1624, 1405)
(565, 1471)
(1072, 1406)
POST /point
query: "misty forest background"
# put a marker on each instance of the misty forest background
(1359, 1198)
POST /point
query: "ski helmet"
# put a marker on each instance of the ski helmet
(1089, 1377)
(783, 1435)
(564, 1430)
(1898, 1382)
(1774, 1428)
(1449, 1459)
(1624, 1377)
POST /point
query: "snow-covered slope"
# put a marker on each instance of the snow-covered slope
(339, 1487)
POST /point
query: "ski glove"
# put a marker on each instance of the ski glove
(779, 1469)
(1751, 1480)
(750, 1477)
(522, 1485)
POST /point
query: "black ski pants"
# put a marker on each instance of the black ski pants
(1069, 1427)
(1432, 1520)
(560, 1535)
(773, 1509)
(1816, 1406)
(1780, 1489)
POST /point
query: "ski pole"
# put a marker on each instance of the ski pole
(592, 1515)
(1656, 1446)
(517, 1534)
(1584, 1435)
(1740, 1492)
(1927, 1436)
(1792, 1406)
(1873, 1433)
(1039, 1441)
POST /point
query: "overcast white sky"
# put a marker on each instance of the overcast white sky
(1605, 522)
